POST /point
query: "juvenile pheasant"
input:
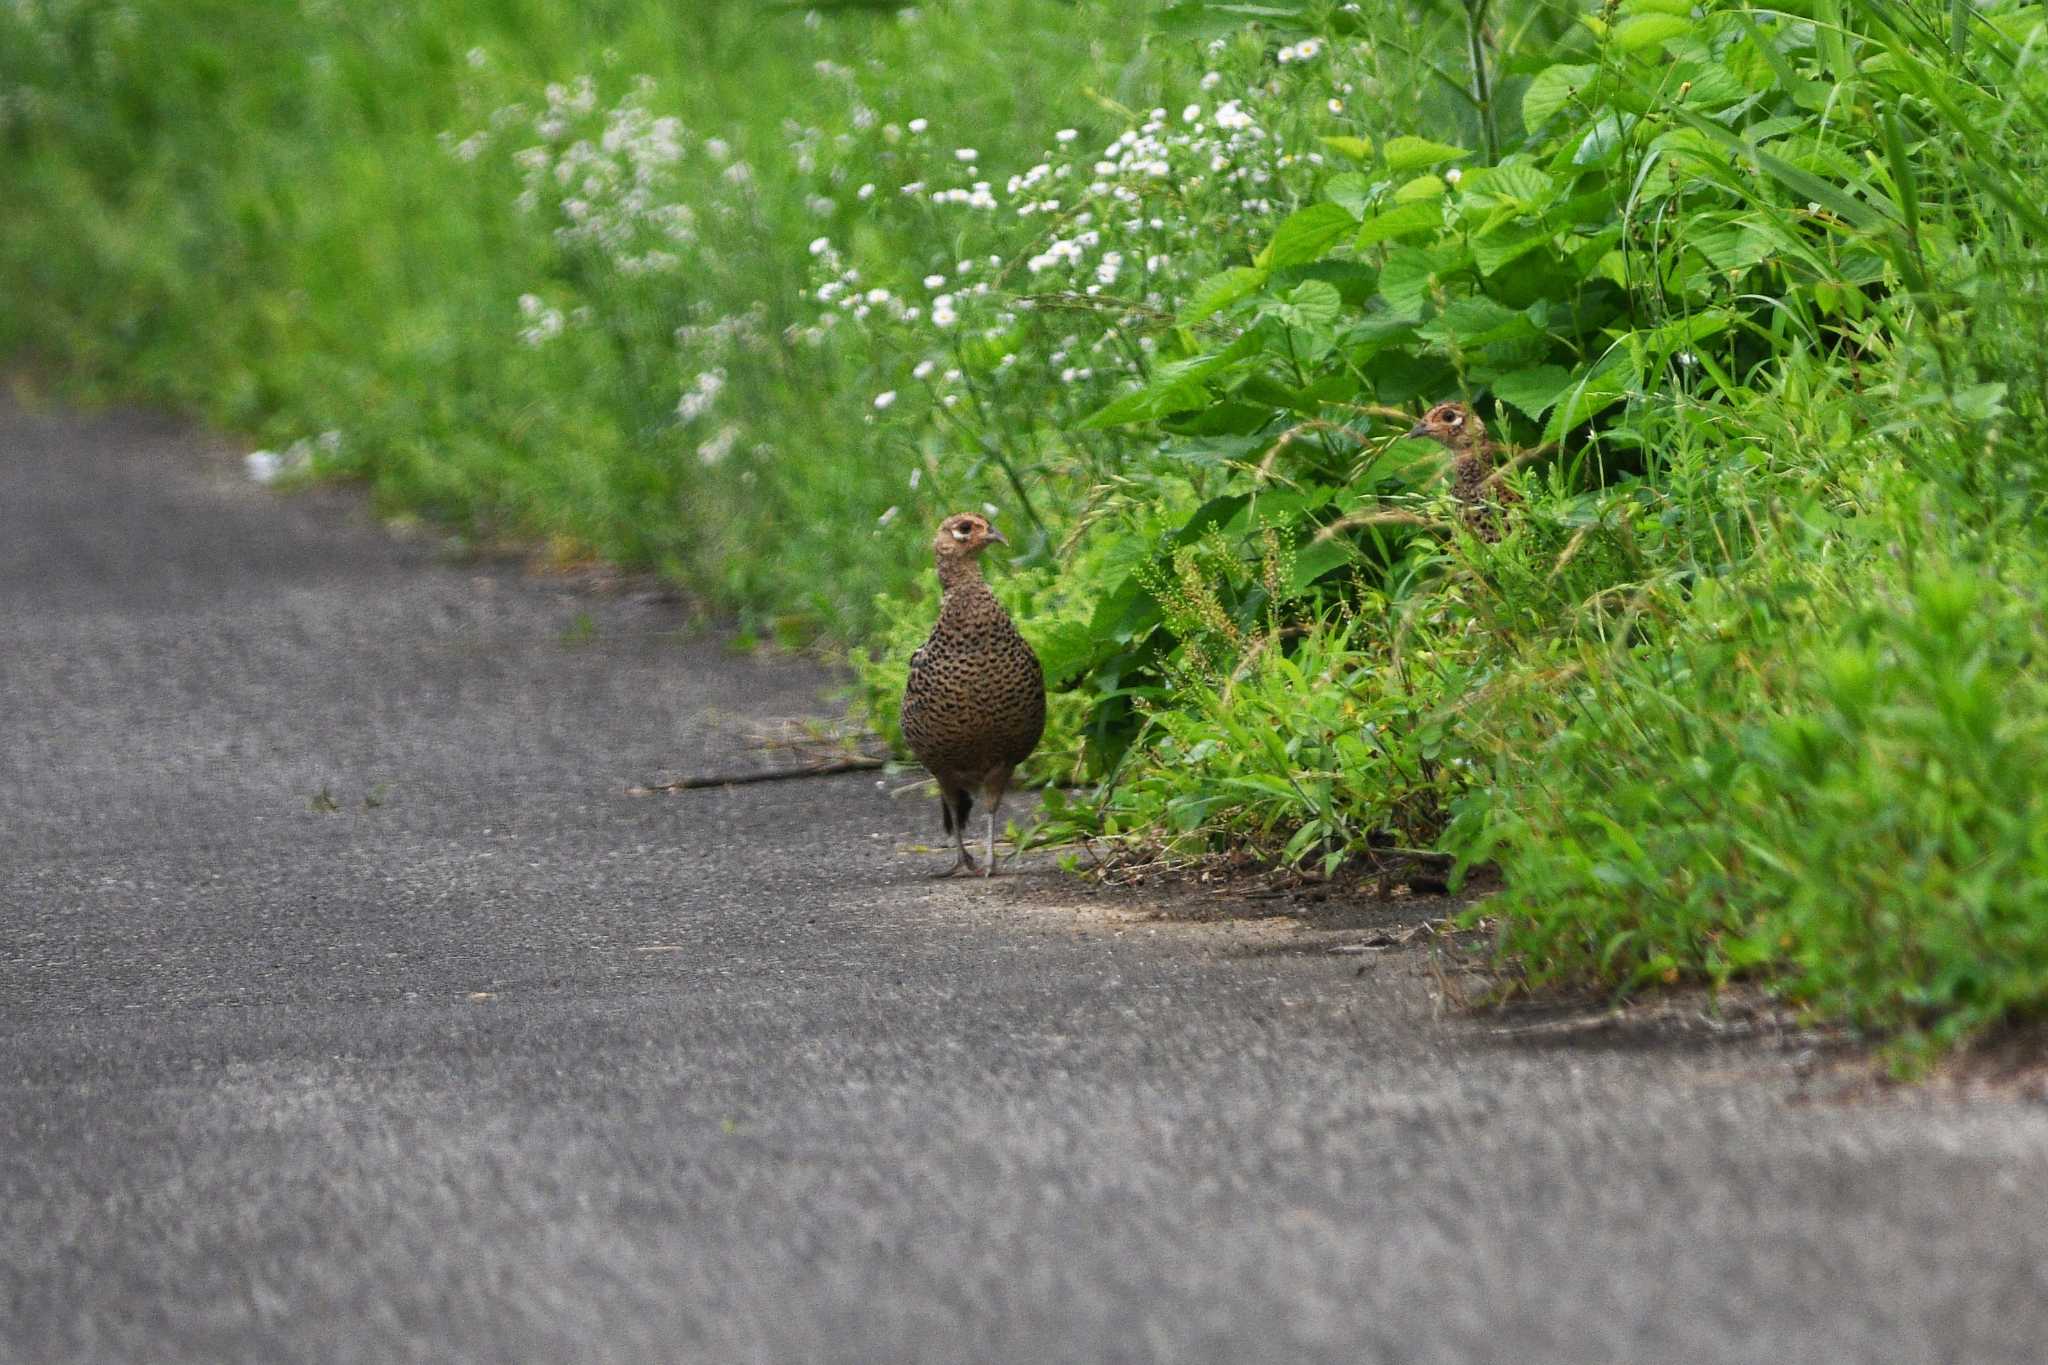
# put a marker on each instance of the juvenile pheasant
(975, 704)
(1458, 429)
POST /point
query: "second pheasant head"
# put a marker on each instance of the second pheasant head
(1454, 426)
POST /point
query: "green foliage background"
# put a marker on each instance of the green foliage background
(752, 296)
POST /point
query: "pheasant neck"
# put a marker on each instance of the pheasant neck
(958, 571)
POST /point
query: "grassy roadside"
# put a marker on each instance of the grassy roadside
(1750, 687)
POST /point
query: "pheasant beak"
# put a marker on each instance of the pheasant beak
(996, 536)
(1419, 429)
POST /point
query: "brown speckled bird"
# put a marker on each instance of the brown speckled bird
(975, 703)
(1458, 429)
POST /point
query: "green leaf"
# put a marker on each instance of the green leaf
(1476, 321)
(1533, 392)
(1406, 154)
(1594, 389)
(1599, 142)
(1649, 30)
(1803, 184)
(1318, 558)
(1221, 290)
(1551, 90)
(1980, 402)
(1306, 234)
(1422, 187)
(1146, 404)
(1350, 191)
(1175, 387)
(1357, 148)
(1404, 283)
(1502, 246)
(1521, 184)
(1422, 215)
(1315, 303)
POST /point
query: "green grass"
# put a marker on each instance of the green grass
(1750, 689)
(254, 212)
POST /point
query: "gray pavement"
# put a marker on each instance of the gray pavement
(492, 1061)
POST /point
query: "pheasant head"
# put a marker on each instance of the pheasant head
(1455, 427)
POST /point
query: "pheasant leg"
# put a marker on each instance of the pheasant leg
(965, 859)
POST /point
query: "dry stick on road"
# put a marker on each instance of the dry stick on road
(683, 784)
(834, 752)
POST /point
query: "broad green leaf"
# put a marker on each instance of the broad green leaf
(1551, 90)
(1222, 289)
(1533, 392)
(1405, 280)
(1357, 148)
(1599, 143)
(1522, 184)
(1708, 85)
(1406, 154)
(1477, 321)
(1213, 451)
(1422, 187)
(1350, 191)
(1306, 234)
(1507, 244)
(1315, 303)
(1732, 246)
(1648, 30)
(1148, 403)
(1594, 389)
(1175, 387)
(1422, 215)
(1318, 557)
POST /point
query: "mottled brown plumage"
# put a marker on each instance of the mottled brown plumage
(974, 707)
(1473, 461)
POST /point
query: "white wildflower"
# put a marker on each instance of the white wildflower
(923, 369)
(543, 324)
(1066, 134)
(884, 399)
(715, 450)
(698, 398)
(918, 125)
(965, 154)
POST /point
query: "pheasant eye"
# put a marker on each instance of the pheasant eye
(959, 533)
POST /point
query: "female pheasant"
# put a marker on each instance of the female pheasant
(974, 707)
(1458, 429)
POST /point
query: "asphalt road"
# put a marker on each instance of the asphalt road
(353, 1011)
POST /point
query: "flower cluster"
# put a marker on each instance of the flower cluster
(612, 186)
(1073, 261)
